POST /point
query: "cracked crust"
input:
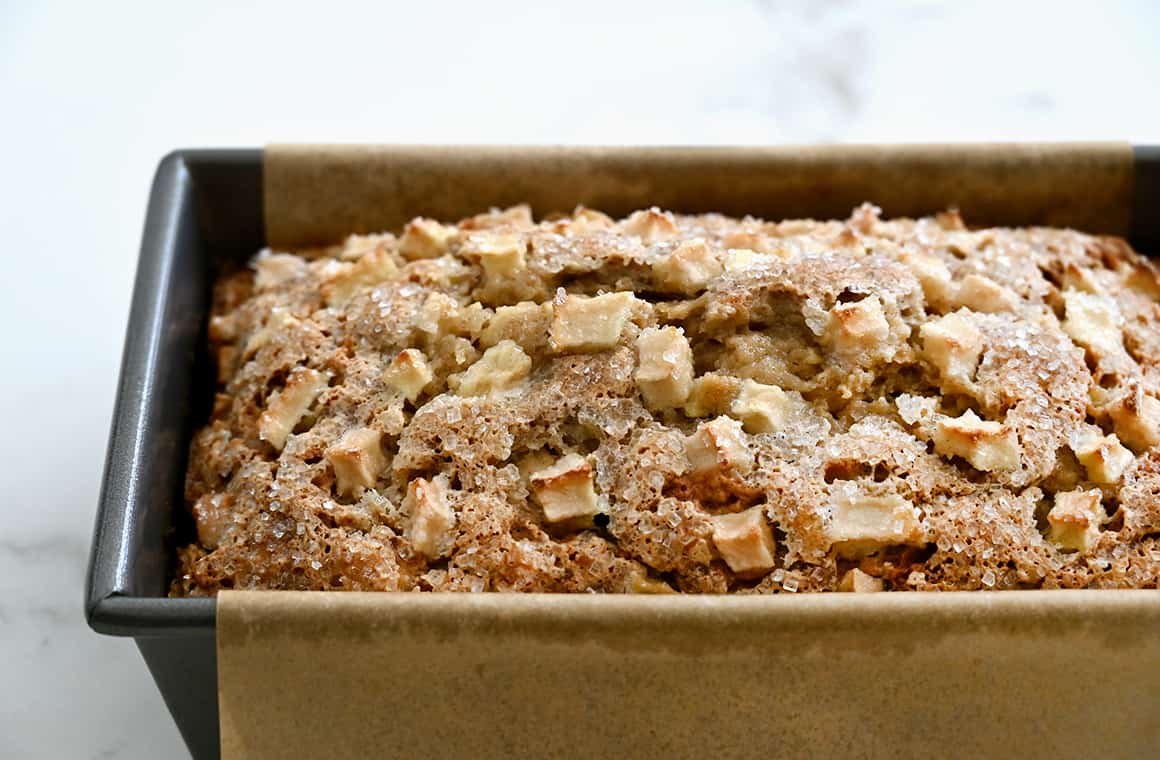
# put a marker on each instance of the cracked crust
(743, 405)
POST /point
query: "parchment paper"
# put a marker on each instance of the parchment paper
(1014, 674)
(1033, 674)
(321, 193)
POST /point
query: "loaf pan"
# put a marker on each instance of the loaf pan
(208, 211)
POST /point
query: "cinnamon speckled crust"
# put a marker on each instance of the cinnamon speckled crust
(910, 397)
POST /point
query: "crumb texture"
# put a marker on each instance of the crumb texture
(669, 403)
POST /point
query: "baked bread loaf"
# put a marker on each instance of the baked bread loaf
(683, 404)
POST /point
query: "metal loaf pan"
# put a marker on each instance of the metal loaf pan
(205, 213)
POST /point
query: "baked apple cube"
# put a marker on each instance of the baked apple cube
(744, 259)
(501, 255)
(665, 370)
(638, 582)
(373, 268)
(932, 274)
(499, 370)
(689, 268)
(214, 515)
(1093, 322)
(356, 246)
(861, 524)
(1136, 418)
(751, 240)
(279, 322)
(761, 408)
(357, 459)
(526, 323)
(979, 293)
(859, 582)
(566, 490)
(718, 446)
(408, 373)
(1075, 520)
(859, 326)
(431, 517)
(745, 541)
(1103, 457)
(272, 269)
(583, 323)
(987, 445)
(651, 225)
(710, 395)
(287, 406)
(953, 345)
(425, 239)
(588, 219)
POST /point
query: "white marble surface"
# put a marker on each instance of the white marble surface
(91, 96)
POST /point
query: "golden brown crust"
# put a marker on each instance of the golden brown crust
(701, 404)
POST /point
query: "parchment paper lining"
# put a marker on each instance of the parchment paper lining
(319, 194)
(1015, 674)
(1031, 674)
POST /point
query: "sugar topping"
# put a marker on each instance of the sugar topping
(682, 403)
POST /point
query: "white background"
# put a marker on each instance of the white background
(93, 94)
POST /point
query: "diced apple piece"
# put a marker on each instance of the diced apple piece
(373, 268)
(987, 445)
(718, 446)
(498, 371)
(425, 239)
(953, 345)
(566, 490)
(273, 269)
(861, 524)
(932, 274)
(652, 225)
(689, 268)
(1075, 520)
(581, 323)
(1136, 418)
(287, 406)
(526, 323)
(501, 255)
(979, 293)
(761, 408)
(745, 541)
(408, 373)
(859, 326)
(744, 259)
(859, 582)
(1094, 322)
(357, 459)
(665, 371)
(431, 517)
(1103, 457)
